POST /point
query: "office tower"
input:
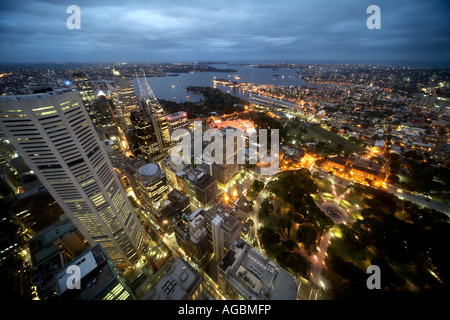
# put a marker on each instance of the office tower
(152, 184)
(225, 230)
(8, 182)
(104, 110)
(192, 237)
(125, 100)
(245, 273)
(171, 169)
(177, 122)
(149, 102)
(158, 254)
(146, 138)
(81, 81)
(53, 133)
(180, 201)
(98, 109)
(52, 248)
(229, 167)
(166, 215)
(125, 168)
(36, 209)
(200, 187)
(180, 282)
(100, 279)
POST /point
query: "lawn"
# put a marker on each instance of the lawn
(339, 189)
(361, 258)
(317, 133)
(355, 198)
(323, 185)
(317, 198)
(345, 204)
(328, 196)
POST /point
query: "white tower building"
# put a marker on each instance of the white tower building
(53, 133)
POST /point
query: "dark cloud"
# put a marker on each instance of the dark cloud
(223, 30)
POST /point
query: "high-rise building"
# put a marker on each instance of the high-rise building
(152, 184)
(198, 185)
(125, 100)
(98, 108)
(180, 201)
(100, 279)
(171, 169)
(159, 122)
(105, 117)
(192, 236)
(177, 123)
(225, 230)
(148, 101)
(81, 81)
(245, 273)
(146, 137)
(53, 133)
(180, 282)
(229, 167)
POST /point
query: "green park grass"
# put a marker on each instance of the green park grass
(361, 258)
(345, 204)
(317, 133)
(316, 198)
(355, 198)
(328, 196)
(339, 189)
(323, 185)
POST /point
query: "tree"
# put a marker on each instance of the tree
(256, 187)
(266, 207)
(289, 245)
(308, 236)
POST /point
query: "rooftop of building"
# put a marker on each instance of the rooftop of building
(149, 170)
(95, 273)
(35, 93)
(176, 115)
(178, 283)
(255, 276)
(43, 272)
(41, 244)
(177, 196)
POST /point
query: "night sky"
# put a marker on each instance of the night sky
(209, 30)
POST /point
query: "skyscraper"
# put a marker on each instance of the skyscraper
(245, 273)
(99, 278)
(84, 88)
(229, 167)
(125, 100)
(98, 108)
(177, 123)
(54, 135)
(146, 137)
(151, 185)
(225, 230)
(149, 102)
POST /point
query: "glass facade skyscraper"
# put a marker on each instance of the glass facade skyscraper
(53, 133)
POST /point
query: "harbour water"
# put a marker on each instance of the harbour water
(173, 87)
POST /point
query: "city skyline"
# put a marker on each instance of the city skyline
(239, 150)
(36, 31)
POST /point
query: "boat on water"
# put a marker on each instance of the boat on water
(173, 86)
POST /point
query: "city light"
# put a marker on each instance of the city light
(363, 150)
